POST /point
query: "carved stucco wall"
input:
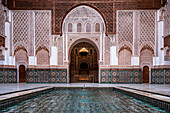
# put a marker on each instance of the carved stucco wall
(20, 29)
(21, 56)
(2, 31)
(31, 30)
(42, 29)
(124, 57)
(60, 50)
(147, 27)
(125, 27)
(146, 56)
(136, 29)
(43, 57)
(83, 15)
(167, 31)
(167, 19)
(107, 51)
(2, 21)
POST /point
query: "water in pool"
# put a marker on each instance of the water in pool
(83, 101)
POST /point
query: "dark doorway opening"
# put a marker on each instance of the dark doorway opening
(84, 69)
(83, 64)
(22, 73)
(145, 74)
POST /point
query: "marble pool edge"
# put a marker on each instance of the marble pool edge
(19, 97)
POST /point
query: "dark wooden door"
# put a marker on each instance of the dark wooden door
(146, 74)
(22, 74)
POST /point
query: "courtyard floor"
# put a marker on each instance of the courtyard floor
(156, 88)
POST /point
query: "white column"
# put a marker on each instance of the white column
(8, 31)
(160, 43)
(103, 48)
(113, 56)
(100, 51)
(155, 61)
(54, 56)
(7, 42)
(66, 47)
(135, 61)
(11, 60)
(32, 60)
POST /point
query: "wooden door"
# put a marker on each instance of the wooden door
(146, 74)
(22, 74)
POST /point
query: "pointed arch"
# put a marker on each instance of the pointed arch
(146, 54)
(84, 4)
(43, 58)
(124, 55)
(21, 54)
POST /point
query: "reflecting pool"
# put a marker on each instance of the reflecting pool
(83, 101)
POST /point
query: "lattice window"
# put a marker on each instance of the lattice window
(70, 27)
(88, 27)
(42, 28)
(125, 27)
(79, 27)
(167, 20)
(97, 27)
(20, 26)
(147, 26)
(2, 21)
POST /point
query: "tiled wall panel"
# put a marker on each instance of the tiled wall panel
(46, 76)
(160, 76)
(8, 75)
(121, 76)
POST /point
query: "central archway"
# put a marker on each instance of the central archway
(83, 68)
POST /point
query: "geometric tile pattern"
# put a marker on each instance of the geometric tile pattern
(121, 76)
(160, 76)
(2, 21)
(46, 76)
(147, 26)
(42, 28)
(8, 75)
(20, 27)
(125, 26)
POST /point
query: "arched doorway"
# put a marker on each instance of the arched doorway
(22, 73)
(83, 66)
(145, 74)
